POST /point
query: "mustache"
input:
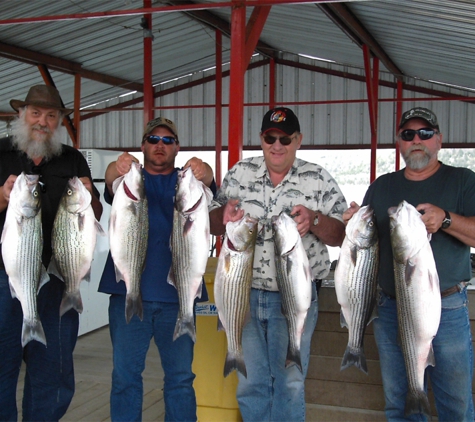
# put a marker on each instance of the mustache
(45, 129)
(418, 148)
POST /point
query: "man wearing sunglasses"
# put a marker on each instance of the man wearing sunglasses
(445, 196)
(263, 187)
(160, 146)
(36, 148)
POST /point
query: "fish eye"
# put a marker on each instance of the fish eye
(35, 193)
(69, 192)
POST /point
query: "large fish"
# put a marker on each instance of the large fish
(73, 241)
(356, 283)
(418, 299)
(128, 235)
(22, 246)
(294, 280)
(232, 287)
(190, 246)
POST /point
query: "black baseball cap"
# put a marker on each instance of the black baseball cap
(420, 113)
(280, 118)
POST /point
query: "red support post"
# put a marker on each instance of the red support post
(236, 83)
(398, 119)
(77, 106)
(148, 99)
(219, 105)
(272, 83)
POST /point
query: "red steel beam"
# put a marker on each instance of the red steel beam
(148, 100)
(236, 83)
(272, 84)
(219, 105)
(254, 28)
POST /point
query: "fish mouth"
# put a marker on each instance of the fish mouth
(194, 207)
(129, 193)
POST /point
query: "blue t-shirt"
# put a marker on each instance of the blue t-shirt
(154, 286)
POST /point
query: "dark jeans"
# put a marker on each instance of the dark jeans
(49, 379)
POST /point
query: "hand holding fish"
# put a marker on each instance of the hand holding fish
(354, 207)
(200, 169)
(124, 163)
(232, 212)
(6, 191)
(432, 216)
(304, 218)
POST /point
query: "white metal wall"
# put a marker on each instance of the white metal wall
(323, 125)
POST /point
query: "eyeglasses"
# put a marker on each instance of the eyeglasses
(154, 139)
(284, 140)
(424, 134)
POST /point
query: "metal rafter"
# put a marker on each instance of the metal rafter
(35, 58)
(344, 18)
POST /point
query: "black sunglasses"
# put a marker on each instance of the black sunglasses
(154, 139)
(424, 134)
(284, 140)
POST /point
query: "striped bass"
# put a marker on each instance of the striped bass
(232, 287)
(73, 241)
(294, 280)
(22, 246)
(418, 299)
(356, 283)
(190, 241)
(128, 235)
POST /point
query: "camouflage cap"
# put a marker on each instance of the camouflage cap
(160, 121)
(420, 113)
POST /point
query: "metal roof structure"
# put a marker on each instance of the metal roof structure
(93, 52)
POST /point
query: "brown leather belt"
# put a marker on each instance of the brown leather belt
(454, 289)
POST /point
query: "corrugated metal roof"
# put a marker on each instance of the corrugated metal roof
(428, 40)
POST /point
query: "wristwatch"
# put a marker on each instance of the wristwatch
(315, 221)
(447, 221)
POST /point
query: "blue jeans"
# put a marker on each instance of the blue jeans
(451, 377)
(130, 345)
(49, 379)
(272, 392)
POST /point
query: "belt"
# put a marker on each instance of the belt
(450, 291)
(454, 289)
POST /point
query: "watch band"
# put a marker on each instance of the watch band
(447, 221)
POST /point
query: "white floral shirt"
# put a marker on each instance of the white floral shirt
(305, 184)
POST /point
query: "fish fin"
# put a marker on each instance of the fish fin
(430, 357)
(356, 357)
(417, 402)
(353, 254)
(53, 269)
(133, 306)
(99, 229)
(171, 277)
(44, 278)
(199, 291)
(293, 358)
(343, 320)
(187, 226)
(220, 325)
(81, 220)
(12, 289)
(71, 300)
(32, 332)
(116, 183)
(374, 313)
(409, 272)
(234, 361)
(118, 275)
(87, 276)
(185, 326)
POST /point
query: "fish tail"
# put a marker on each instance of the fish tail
(293, 358)
(133, 306)
(356, 357)
(71, 300)
(417, 402)
(32, 331)
(185, 325)
(234, 361)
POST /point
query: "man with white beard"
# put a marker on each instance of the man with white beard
(36, 148)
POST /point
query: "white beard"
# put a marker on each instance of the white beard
(46, 146)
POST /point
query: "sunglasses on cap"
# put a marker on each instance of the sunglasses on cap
(284, 140)
(155, 139)
(424, 134)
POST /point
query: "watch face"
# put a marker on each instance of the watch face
(447, 221)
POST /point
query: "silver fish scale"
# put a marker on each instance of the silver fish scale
(362, 294)
(408, 327)
(29, 252)
(236, 290)
(69, 246)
